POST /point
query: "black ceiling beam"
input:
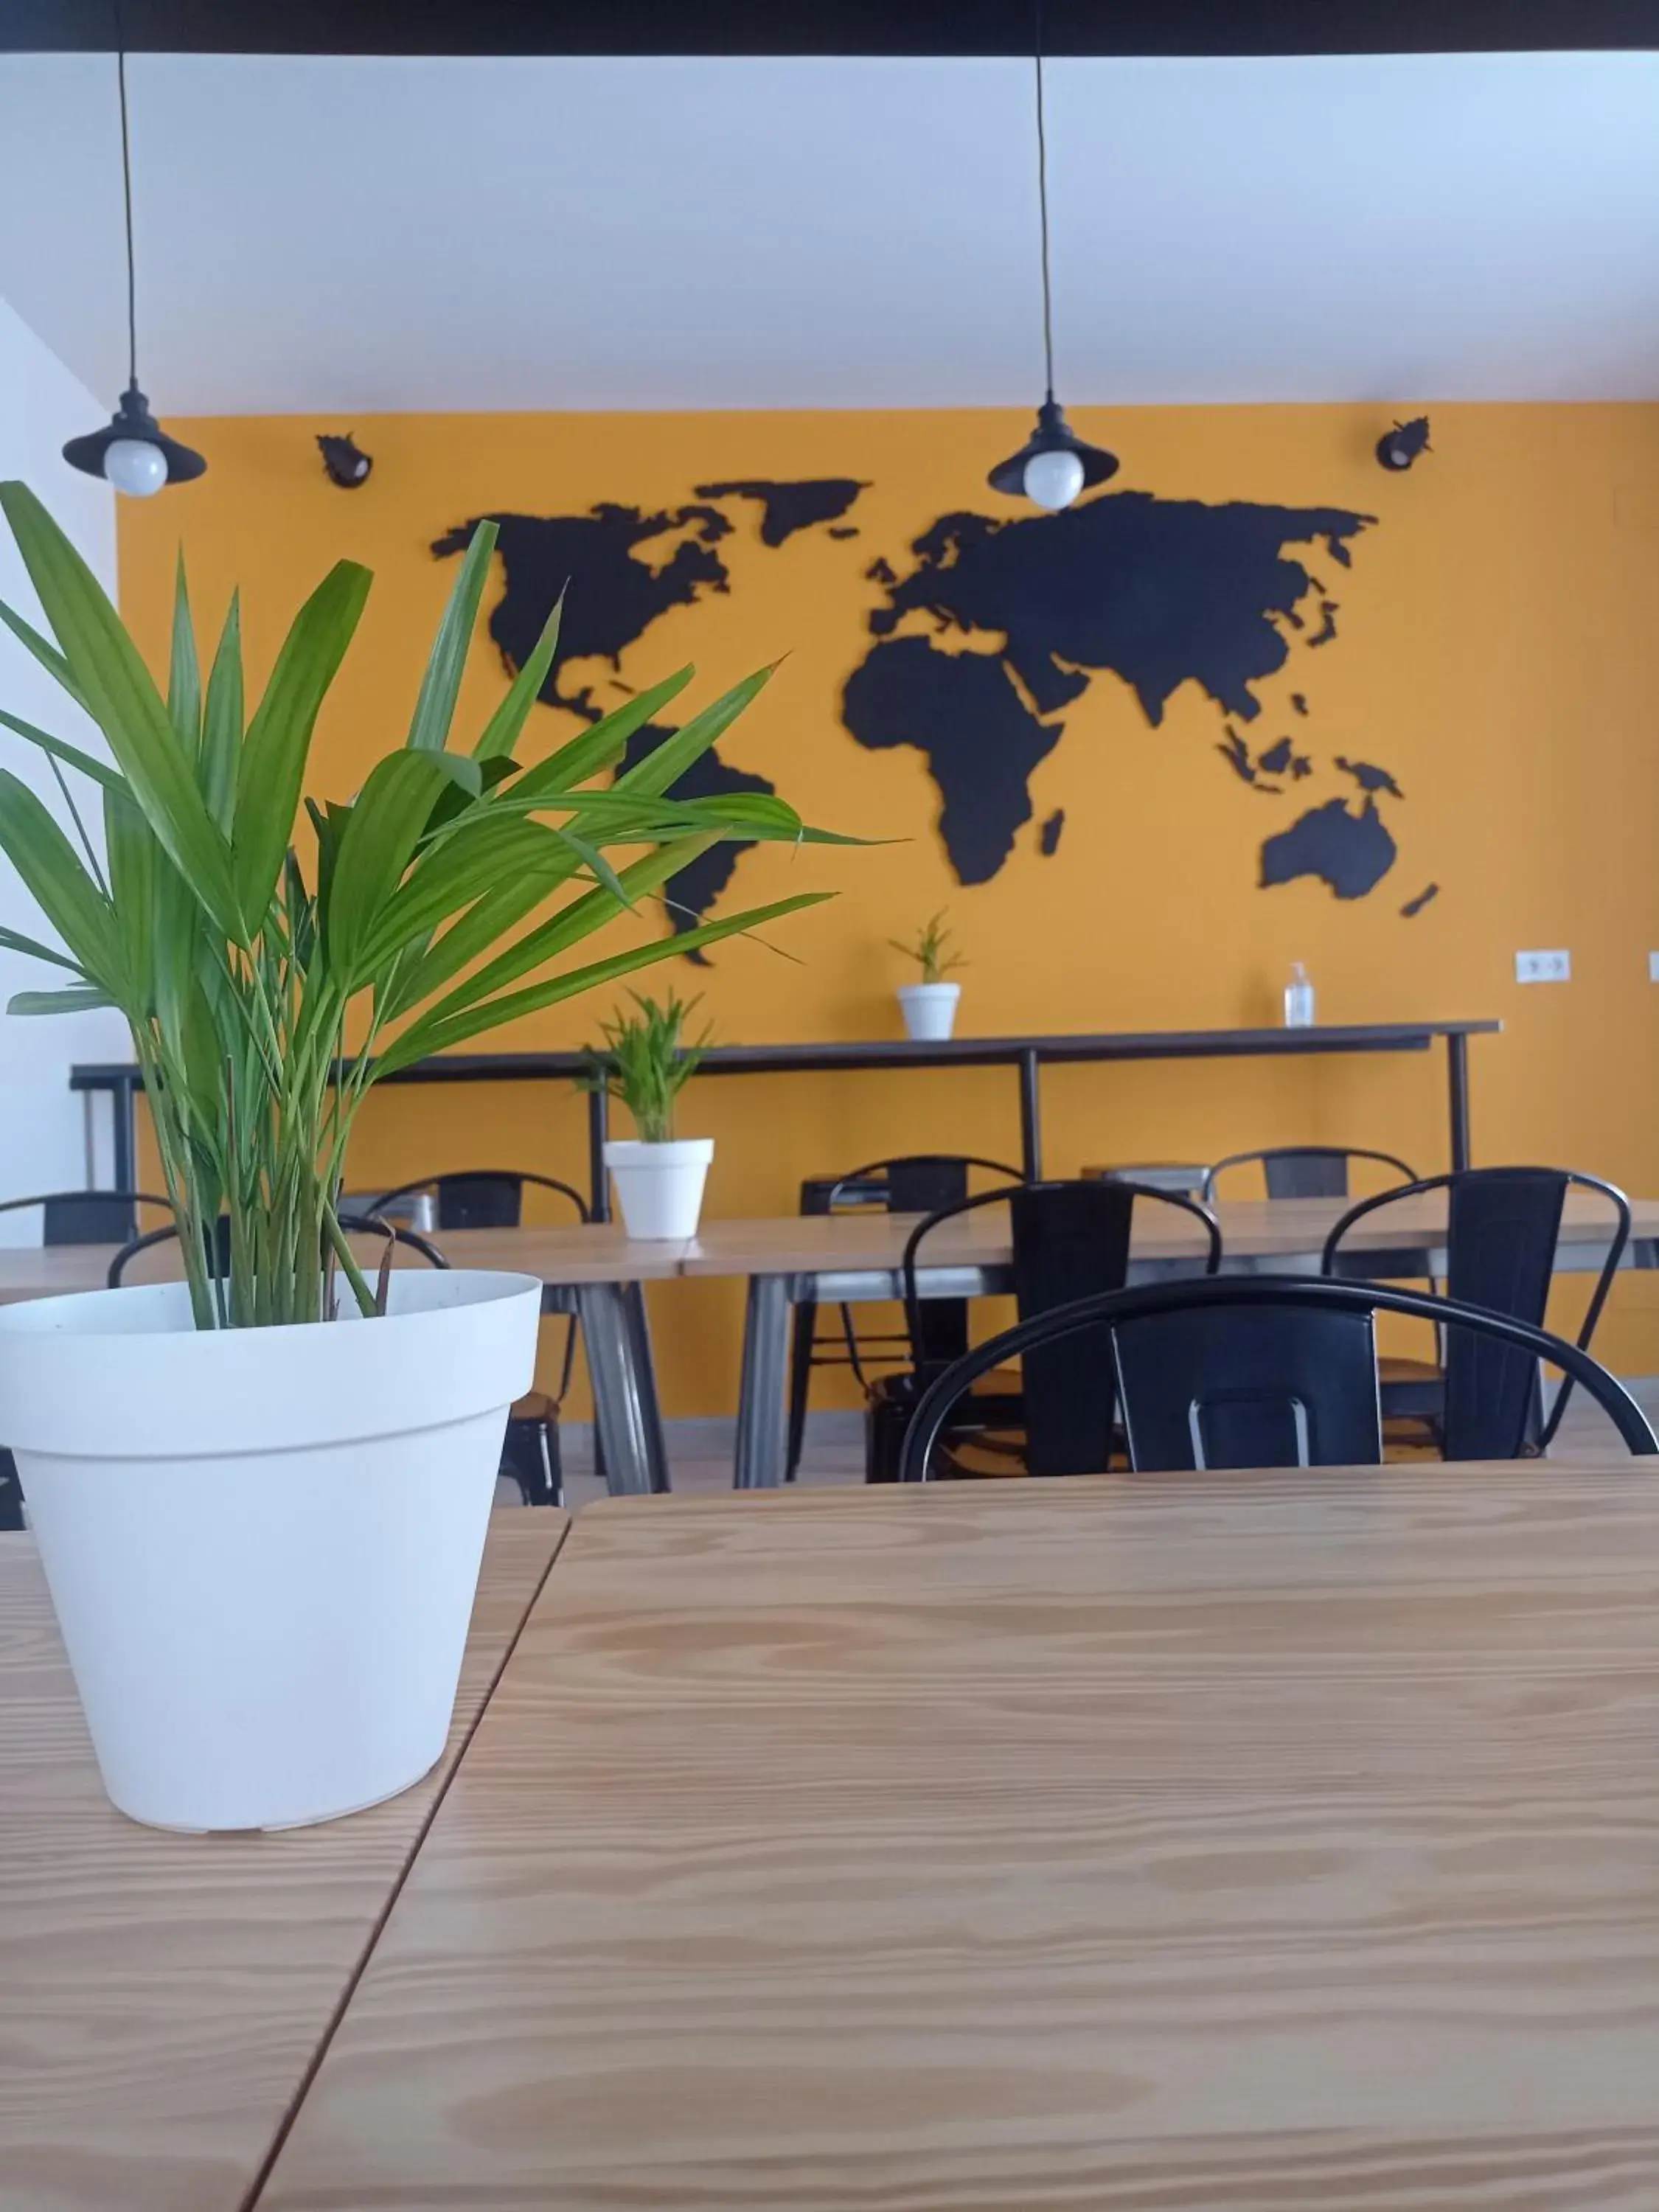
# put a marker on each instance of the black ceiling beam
(826, 26)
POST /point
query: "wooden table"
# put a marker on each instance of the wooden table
(163, 1997)
(596, 1272)
(1181, 1844)
(853, 1258)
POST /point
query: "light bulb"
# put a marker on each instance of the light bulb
(1053, 478)
(136, 467)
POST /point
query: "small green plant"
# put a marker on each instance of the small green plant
(647, 1063)
(932, 950)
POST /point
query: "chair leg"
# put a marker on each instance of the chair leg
(11, 1493)
(885, 1423)
(554, 1458)
(802, 1333)
(526, 1460)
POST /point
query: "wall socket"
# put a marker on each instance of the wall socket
(1543, 967)
(1653, 967)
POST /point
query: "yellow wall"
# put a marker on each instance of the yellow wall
(1498, 652)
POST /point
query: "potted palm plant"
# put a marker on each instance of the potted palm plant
(646, 1062)
(929, 1007)
(261, 1494)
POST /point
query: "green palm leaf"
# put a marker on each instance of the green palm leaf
(111, 680)
(434, 710)
(272, 770)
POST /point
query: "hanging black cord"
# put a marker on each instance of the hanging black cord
(127, 188)
(1042, 204)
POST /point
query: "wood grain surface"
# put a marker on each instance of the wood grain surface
(1284, 1228)
(1275, 1842)
(162, 1996)
(598, 1252)
(594, 1252)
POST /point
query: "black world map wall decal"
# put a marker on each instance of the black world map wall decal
(986, 632)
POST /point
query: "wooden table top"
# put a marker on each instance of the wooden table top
(1250, 1228)
(594, 1252)
(1210, 1843)
(600, 1252)
(162, 1996)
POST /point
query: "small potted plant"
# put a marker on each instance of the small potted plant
(930, 1007)
(646, 1062)
(261, 1494)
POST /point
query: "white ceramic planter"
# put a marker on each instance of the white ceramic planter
(929, 1009)
(263, 1544)
(660, 1187)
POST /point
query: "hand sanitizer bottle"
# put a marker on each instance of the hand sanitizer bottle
(1298, 998)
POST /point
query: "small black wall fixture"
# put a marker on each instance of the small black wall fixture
(134, 454)
(1401, 446)
(1054, 465)
(347, 463)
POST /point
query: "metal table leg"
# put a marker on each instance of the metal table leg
(762, 1407)
(644, 1383)
(1457, 1097)
(124, 1115)
(621, 1412)
(1031, 1118)
(598, 1185)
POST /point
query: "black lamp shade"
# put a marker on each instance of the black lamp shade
(1053, 434)
(132, 419)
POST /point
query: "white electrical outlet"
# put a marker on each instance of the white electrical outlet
(1653, 967)
(1543, 967)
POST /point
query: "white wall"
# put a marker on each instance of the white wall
(42, 1124)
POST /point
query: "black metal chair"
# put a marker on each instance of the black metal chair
(1071, 1240)
(909, 1182)
(88, 1217)
(1266, 1371)
(70, 1217)
(1304, 1171)
(493, 1198)
(1502, 1225)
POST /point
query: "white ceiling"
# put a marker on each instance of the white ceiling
(349, 235)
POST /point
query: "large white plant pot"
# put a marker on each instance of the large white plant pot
(929, 1010)
(263, 1544)
(660, 1187)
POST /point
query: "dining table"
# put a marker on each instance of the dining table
(597, 1272)
(856, 1257)
(1196, 1842)
(165, 1997)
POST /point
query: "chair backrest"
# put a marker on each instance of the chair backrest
(1502, 1225)
(354, 1225)
(1306, 1170)
(479, 1198)
(1255, 1378)
(86, 1217)
(923, 1182)
(1071, 1240)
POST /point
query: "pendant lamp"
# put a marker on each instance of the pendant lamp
(1054, 465)
(134, 452)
